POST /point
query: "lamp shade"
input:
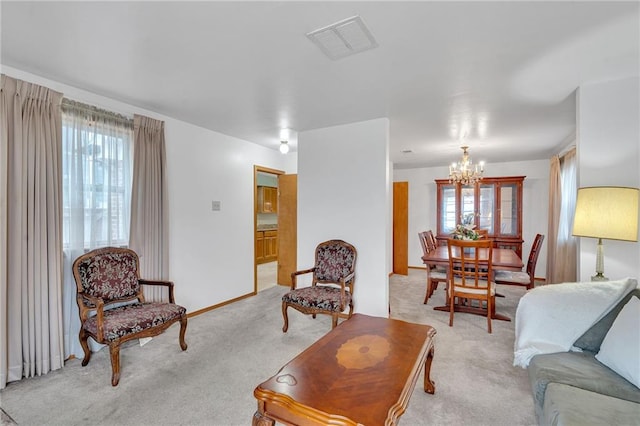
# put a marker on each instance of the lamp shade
(608, 212)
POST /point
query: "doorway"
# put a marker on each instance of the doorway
(400, 228)
(265, 227)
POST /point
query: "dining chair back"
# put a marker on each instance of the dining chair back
(523, 278)
(432, 243)
(471, 275)
(434, 275)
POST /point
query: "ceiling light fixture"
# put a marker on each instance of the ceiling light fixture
(284, 141)
(464, 172)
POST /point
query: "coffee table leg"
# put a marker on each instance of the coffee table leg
(429, 385)
(259, 419)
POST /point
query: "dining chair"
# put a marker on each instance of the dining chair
(331, 290)
(434, 275)
(470, 276)
(523, 278)
(432, 243)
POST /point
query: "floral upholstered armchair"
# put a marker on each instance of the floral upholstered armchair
(112, 306)
(331, 290)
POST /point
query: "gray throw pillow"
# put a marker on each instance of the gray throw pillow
(592, 339)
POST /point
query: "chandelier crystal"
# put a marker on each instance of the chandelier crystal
(464, 172)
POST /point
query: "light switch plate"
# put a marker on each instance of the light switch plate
(216, 206)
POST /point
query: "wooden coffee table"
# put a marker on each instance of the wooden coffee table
(361, 373)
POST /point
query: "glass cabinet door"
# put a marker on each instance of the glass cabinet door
(509, 209)
(448, 209)
(467, 205)
(485, 209)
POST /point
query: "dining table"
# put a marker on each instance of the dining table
(502, 259)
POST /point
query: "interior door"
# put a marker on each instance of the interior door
(400, 228)
(287, 227)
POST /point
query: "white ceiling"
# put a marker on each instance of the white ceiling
(498, 76)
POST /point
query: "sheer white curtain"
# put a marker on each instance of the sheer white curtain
(31, 341)
(567, 243)
(97, 154)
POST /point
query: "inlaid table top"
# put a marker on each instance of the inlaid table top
(361, 373)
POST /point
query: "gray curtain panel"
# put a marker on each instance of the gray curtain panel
(148, 230)
(31, 337)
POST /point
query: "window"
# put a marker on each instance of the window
(96, 177)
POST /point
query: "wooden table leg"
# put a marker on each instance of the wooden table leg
(260, 419)
(429, 385)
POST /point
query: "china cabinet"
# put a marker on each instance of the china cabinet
(494, 204)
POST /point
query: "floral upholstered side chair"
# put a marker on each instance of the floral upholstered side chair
(112, 306)
(331, 290)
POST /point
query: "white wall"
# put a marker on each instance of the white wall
(608, 142)
(211, 254)
(535, 203)
(343, 193)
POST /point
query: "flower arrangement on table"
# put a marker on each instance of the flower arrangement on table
(465, 230)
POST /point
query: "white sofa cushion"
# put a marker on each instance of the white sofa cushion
(620, 349)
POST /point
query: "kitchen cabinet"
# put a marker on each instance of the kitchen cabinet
(267, 199)
(266, 246)
(493, 204)
(270, 246)
(259, 246)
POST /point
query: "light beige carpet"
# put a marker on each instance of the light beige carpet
(235, 347)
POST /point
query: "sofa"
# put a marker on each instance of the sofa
(576, 388)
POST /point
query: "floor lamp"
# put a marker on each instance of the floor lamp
(608, 212)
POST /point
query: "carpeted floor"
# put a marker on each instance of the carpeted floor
(234, 348)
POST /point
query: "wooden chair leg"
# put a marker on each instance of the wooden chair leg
(183, 330)
(432, 286)
(490, 305)
(334, 321)
(451, 309)
(285, 327)
(85, 347)
(114, 351)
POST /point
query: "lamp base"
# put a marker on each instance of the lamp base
(599, 276)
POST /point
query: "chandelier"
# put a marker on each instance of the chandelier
(464, 172)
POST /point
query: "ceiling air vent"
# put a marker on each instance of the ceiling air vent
(344, 38)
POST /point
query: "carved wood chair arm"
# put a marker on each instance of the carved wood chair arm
(295, 274)
(343, 282)
(348, 278)
(164, 283)
(88, 303)
(94, 304)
